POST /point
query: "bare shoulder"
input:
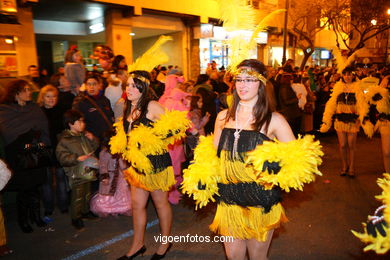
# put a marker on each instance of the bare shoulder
(222, 115)
(277, 118)
(154, 105)
(280, 128)
(155, 109)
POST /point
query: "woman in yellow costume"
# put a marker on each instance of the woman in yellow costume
(344, 107)
(241, 168)
(377, 229)
(142, 138)
(378, 116)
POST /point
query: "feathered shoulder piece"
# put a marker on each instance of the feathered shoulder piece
(172, 126)
(330, 107)
(379, 97)
(201, 178)
(118, 142)
(297, 162)
(143, 140)
(377, 229)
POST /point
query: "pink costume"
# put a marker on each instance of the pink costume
(175, 99)
(114, 194)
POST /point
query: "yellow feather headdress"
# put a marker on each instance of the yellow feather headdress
(152, 57)
(238, 16)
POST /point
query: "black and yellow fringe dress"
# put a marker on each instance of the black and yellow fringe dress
(345, 108)
(377, 116)
(376, 232)
(145, 147)
(247, 183)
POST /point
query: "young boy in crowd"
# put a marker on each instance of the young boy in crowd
(75, 151)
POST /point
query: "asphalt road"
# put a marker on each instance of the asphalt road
(320, 220)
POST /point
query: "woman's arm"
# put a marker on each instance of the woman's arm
(219, 124)
(280, 129)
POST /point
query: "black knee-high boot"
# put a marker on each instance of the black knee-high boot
(23, 209)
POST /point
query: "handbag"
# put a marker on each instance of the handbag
(34, 156)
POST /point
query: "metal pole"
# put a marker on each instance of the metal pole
(285, 33)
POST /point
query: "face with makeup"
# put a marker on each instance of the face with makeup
(247, 85)
(132, 92)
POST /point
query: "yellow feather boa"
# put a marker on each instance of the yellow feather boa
(172, 126)
(298, 159)
(204, 171)
(380, 244)
(143, 141)
(331, 107)
(382, 106)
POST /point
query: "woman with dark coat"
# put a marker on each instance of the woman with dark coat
(288, 102)
(23, 126)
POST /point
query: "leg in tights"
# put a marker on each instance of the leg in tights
(139, 200)
(259, 250)
(235, 250)
(386, 151)
(164, 211)
(351, 149)
(343, 148)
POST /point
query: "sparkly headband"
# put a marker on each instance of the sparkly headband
(143, 79)
(252, 73)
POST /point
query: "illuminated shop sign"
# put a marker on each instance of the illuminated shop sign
(8, 6)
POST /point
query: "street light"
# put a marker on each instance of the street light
(373, 22)
(388, 11)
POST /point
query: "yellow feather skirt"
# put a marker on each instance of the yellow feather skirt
(162, 180)
(247, 222)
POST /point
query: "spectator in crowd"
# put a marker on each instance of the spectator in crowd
(74, 69)
(47, 100)
(75, 153)
(95, 107)
(24, 129)
(5, 175)
(119, 63)
(289, 104)
(162, 75)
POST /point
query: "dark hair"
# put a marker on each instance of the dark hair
(104, 141)
(13, 88)
(350, 70)
(202, 78)
(163, 68)
(286, 79)
(262, 111)
(70, 117)
(116, 61)
(143, 88)
(194, 102)
(69, 54)
(94, 76)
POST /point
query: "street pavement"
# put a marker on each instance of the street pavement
(320, 220)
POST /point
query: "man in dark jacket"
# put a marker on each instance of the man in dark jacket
(95, 107)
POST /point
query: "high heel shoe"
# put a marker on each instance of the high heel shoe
(141, 251)
(157, 256)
